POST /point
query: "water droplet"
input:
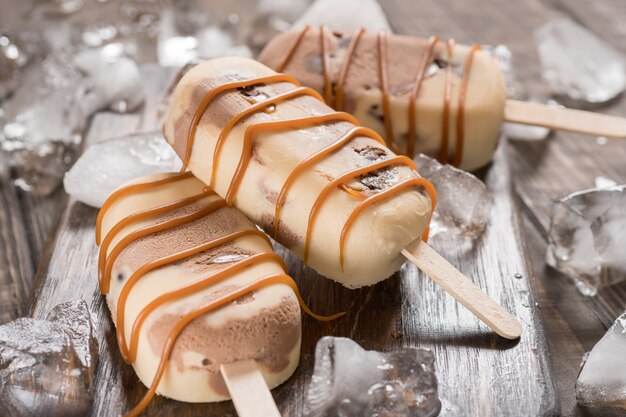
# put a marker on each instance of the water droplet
(518, 275)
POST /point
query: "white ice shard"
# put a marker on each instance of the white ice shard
(106, 165)
(463, 201)
(347, 15)
(578, 64)
(602, 379)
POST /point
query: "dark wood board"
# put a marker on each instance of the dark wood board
(406, 310)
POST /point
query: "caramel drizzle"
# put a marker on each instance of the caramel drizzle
(129, 353)
(132, 189)
(272, 101)
(314, 159)
(207, 308)
(384, 87)
(337, 99)
(445, 121)
(426, 59)
(460, 131)
(345, 65)
(150, 230)
(270, 126)
(328, 93)
(208, 99)
(129, 356)
(292, 48)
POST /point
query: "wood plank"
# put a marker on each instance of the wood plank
(16, 272)
(406, 310)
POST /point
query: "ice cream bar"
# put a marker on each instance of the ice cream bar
(326, 188)
(192, 284)
(422, 95)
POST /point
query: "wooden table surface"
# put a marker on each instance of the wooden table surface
(541, 171)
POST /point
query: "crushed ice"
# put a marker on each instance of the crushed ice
(106, 165)
(351, 381)
(47, 366)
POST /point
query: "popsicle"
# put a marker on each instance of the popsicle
(193, 285)
(324, 187)
(427, 96)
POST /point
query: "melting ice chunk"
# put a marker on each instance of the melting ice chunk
(350, 381)
(47, 366)
(463, 201)
(47, 114)
(602, 380)
(578, 64)
(346, 15)
(587, 237)
(106, 165)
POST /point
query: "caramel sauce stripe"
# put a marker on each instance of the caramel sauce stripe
(139, 216)
(314, 159)
(194, 287)
(184, 321)
(146, 231)
(426, 59)
(272, 126)
(272, 101)
(211, 95)
(427, 185)
(131, 189)
(345, 65)
(334, 94)
(332, 185)
(141, 272)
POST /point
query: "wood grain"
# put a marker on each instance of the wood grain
(249, 391)
(564, 119)
(16, 260)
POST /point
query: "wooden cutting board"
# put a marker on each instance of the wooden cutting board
(479, 373)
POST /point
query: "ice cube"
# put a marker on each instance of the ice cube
(602, 379)
(587, 237)
(112, 81)
(106, 165)
(347, 15)
(45, 117)
(47, 366)
(350, 381)
(578, 64)
(463, 201)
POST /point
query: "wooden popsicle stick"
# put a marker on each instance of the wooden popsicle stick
(247, 388)
(559, 118)
(463, 290)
